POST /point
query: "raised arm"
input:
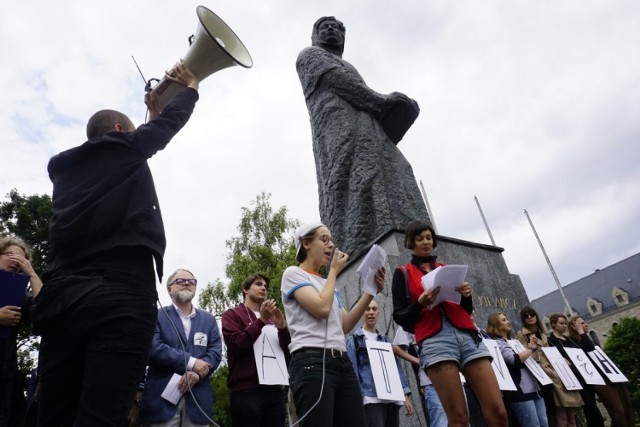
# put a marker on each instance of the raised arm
(351, 318)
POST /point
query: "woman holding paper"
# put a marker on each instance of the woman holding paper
(532, 325)
(447, 337)
(324, 386)
(558, 339)
(614, 396)
(15, 257)
(526, 403)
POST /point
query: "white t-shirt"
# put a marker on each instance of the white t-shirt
(306, 329)
(405, 339)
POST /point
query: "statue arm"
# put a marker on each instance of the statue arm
(353, 90)
(320, 70)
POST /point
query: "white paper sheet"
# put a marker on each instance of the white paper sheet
(171, 392)
(386, 377)
(270, 363)
(448, 277)
(372, 262)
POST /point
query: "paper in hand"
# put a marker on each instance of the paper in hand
(448, 277)
(171, 392)
(372, 262)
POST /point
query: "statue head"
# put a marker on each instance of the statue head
(329, 34)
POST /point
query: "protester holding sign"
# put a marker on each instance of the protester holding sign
(533, 325)
(615, 396)
(526, 402)
(378, 412)
(251, 402)
(559, 340)
(448, 339)
(15, 257)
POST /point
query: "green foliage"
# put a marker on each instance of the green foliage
(27, 217)
(214, 298)
(623, 347)
(221, 414)
(265, 245)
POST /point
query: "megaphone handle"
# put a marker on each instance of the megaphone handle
(147, 87)
(190, 38)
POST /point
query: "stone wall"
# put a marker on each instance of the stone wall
(603, 323)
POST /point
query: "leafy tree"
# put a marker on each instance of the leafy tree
(27, 217)
(265, 244)
(221, 413)
(623, 347)
(214, 298)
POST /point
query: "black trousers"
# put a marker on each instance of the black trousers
(93, 358)
(341, 402)
(258, 407)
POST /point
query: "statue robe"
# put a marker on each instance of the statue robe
(366, 186)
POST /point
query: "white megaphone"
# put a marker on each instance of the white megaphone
(214, 47)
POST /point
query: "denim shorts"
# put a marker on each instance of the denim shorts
(451, 345)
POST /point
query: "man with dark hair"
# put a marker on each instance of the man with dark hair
(253, 404)
(366, 186)
(96, 311)
(187, 343)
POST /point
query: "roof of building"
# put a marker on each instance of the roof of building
(599, 285)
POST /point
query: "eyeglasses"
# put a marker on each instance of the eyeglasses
(326, 240)
(192, 282)
(529, 315)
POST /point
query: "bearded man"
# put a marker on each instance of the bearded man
(186, 343)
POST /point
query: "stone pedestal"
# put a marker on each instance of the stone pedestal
(494, 290)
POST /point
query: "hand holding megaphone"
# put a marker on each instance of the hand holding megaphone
(179, 74)
(182, 75)
(213, 47)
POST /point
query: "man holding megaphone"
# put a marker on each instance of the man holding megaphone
(97, 309)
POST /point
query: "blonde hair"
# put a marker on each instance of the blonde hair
(493, 325)
(6, 241)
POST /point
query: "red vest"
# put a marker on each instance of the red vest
(429, 322)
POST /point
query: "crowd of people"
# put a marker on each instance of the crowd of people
(330, 374)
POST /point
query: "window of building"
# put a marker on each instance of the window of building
(594, 306)
(620, 297)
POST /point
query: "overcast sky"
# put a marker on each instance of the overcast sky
(527, 105)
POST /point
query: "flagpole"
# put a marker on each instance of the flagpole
(553, 272)
(486, 225)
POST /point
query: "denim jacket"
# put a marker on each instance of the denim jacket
(357, 351)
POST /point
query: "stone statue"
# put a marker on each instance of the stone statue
(366, 185)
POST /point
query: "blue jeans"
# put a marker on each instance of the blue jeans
(341, 402)
(437, 416)
(530, 413)
(451, 345)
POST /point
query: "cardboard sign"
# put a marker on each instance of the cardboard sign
(531, 364)
(562, 368)
(605, 364)
(585, 367)
(386, 377)
(499, 365)
(270, 363)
